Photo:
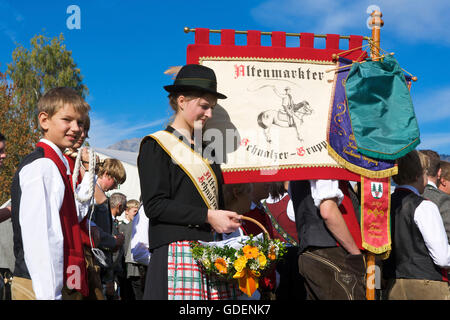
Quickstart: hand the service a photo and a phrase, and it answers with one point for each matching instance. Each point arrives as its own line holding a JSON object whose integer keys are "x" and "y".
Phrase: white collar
{"x": 431, "y": 183}
{"x": 270, "y": 199}
{"x": 58, "y": 152}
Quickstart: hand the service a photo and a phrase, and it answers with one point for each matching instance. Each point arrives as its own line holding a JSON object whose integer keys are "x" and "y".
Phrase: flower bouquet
{"x": 244, "y": 259}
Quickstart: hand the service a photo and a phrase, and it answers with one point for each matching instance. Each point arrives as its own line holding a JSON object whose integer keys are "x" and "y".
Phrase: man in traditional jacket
{"x": 440, "y": 198}
{"x": 417, "y": 266}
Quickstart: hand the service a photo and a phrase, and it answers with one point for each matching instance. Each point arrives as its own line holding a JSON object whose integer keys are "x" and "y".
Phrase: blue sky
{"x": 123, "y": 48}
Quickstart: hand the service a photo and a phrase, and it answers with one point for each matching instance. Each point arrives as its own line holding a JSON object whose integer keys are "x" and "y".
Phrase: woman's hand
{"x": 223, "y": 221}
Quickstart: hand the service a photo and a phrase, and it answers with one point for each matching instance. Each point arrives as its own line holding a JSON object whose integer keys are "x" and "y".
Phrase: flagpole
{"x": 376, "y": 24}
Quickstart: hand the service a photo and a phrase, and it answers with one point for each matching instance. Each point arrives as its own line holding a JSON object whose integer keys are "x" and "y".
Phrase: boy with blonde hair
{"x": 132, "y": 209}
{"x": 49, "y": 255}
{"x": 421, "y": 252}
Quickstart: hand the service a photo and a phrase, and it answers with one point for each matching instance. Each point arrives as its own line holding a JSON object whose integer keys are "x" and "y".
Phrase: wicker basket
{"x": 258, "y": 224}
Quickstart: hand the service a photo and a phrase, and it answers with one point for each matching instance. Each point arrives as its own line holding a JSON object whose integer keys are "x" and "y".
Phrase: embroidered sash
{"x": 278, "y": 227}
{"x": 193, "y": 164}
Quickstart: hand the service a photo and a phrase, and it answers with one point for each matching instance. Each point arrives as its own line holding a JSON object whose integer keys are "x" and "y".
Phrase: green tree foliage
{"x": 21, "y": 135}
{"x": 46, "y": 65}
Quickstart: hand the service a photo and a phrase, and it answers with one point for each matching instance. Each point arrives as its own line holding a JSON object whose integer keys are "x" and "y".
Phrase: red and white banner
{"x": 273, "y": 126}
{"x": 375, "y": 214}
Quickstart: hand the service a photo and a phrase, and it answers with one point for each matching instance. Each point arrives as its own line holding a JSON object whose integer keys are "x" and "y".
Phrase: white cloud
{"x": 433, "y": 105}
{"x": 10, "y": 19}
{"x": 423, "y": 21}
{"x": 104, "y": 133}
{"x": 437, "y": 141}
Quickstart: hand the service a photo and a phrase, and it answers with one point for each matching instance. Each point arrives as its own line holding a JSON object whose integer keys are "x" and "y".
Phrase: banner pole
{"x": 376, "y": 23}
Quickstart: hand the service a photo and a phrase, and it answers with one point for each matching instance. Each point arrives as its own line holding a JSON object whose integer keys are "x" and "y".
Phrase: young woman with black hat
{"x": 182, "y": 193}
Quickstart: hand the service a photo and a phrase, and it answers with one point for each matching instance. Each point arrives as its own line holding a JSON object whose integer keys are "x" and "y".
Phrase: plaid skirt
{"x": 186, "y": 280}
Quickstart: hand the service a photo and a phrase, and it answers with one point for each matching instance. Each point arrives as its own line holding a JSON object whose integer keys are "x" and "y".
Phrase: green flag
{"x": 381, "y": 110}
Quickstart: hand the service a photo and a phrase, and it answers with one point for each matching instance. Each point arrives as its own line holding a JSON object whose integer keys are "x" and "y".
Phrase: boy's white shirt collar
{"x": 58, "y": 152}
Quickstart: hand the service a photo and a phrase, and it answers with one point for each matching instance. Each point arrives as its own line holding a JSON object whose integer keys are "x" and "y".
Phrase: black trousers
{"x": 291, "y": 285}
{"x": 333, "y": 274}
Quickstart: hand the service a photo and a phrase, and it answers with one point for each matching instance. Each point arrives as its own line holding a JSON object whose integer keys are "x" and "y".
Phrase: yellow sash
{"x": 194, "y": 165}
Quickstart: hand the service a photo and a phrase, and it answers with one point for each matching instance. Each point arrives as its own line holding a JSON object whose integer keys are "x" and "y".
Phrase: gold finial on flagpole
{"x": 376, "y": 23}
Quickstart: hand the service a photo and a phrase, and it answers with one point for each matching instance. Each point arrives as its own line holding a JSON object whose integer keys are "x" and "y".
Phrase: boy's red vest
{"x": 74, "y": 262}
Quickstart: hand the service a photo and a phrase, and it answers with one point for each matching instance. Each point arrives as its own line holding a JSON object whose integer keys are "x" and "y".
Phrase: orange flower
{"x": 221, "y": 265}
{"x": 272, "y": 254}
{"x": 250, "y": 252}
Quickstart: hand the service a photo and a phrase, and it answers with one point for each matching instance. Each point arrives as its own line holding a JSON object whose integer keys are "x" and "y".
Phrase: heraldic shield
{"x": 381, "y": 110}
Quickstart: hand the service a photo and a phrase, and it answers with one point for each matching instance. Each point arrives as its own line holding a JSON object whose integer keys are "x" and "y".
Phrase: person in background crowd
{"x": 440, "y": 198}
{"x": 139, "y": 248}
{"x": 139, "y": 238}
{"x": 444, "y": 180}
{"x": 420, "y": 255}
{"x": 110, "y": 174}
{"x": 117, "y": 205}
{"x": 5, "y": 213}
{"x": 111, "y": 240}
{"x": 267, "y": 284}
{"x": 82, "y": 189}
{"x": 279, "y": 208}
{"x": 130, "y": 280}
{"x": 238, "y": 198}
{"x": 330, "y": 244}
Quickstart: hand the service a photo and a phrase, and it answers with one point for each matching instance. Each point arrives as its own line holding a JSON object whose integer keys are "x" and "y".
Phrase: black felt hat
{"x": 195, "y": 77}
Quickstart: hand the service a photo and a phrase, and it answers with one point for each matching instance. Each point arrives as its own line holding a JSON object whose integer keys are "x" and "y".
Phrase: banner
{"x": 341, "y": 140}
{"x": 273, "y": 126}
{"x": 381, "y": 109}
{"x": 279, "y": 109}
{"x": 375, "y": 214}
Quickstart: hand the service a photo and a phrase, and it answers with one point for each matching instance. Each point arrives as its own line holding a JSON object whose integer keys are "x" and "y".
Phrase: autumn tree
{"x": 21, "y": 134}
{"x": 47, "y": 64}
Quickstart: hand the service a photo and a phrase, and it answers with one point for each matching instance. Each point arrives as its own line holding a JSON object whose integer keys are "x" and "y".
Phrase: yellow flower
{"x": 240, "y": 263}
{"x": 250, "y": 252}
{"x": 221, "y": 265}
{"x": 272, "y": 253}
{"x": 262, "y": 260}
